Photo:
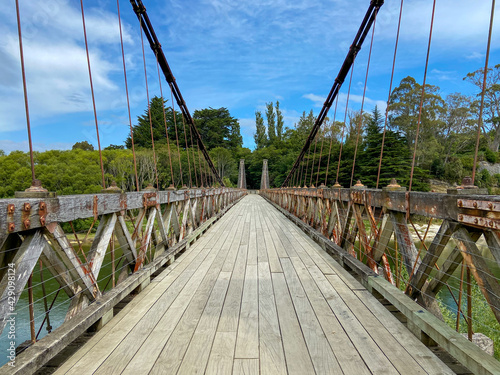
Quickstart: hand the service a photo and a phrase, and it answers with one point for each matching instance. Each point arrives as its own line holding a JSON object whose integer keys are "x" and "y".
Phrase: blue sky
{"x": 223, "y": 53}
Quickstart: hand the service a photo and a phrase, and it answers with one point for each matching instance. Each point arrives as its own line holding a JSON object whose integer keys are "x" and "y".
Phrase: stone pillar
{"x": 264, "y": 180}
{"x": 242, "y": 179}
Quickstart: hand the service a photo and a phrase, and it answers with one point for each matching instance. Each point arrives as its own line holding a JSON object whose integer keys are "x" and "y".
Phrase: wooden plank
{"x": 247, "y": 341}
{"x": 196, "y": 357}
{"x": 348, "y": 357}
{"x": 222, "y": 354}
{"x": 367, "y": 348}
{"x": 431, "y": 257}
{"x": 423, "y": 355}
{"x": 121, "y": 344}
{"x": 280, "y": 249}
{"x": 486, "y": 281}
{"x": 14, "y": 281}
{"x": 173, "y": 351}
{"x": 385, "y": 235}
{"x": 467, "y": 353}
{"x": 125, "y": 240}
{"x": 100, "y": 243}
{"x": 261, "y": 243}
{"x": 146, "y": 356}
{"x": 246, "y": 367}
{"x": 321, "y": 353}
{"x": 78, "y": 271}
{"x": 298, "y": 360}
{"x": 393, "y": 350}
{"x": 143, "y": 302}
{"x": 274, "y": 262}
{"x": 58, "y": 271}
{"x": 231, "y": 311}
{"x": 272, "y": 359}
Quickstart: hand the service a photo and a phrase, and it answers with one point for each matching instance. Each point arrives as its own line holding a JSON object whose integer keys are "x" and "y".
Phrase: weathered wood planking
{"x": 423, "y": 323}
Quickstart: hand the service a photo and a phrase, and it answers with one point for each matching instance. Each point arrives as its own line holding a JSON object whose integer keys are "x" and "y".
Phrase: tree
{"x": 142, "y": 130}
{"x": 218, "y": 128}
{"x": 404, "y": 107}
{"x": 223, "y": 160}
{"x": 279, "y": 122}
{"x": 84, "y": 145}
{"x": 2, "y": 153}
{"x": 459, "y": 128}
{"x": 260, "y": 132}
{"x": 271, "y": 122}
{"x": 115, "y": 147}
{"x": 491, "y": 102}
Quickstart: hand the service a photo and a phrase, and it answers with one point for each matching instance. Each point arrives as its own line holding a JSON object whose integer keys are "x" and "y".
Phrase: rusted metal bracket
{"x": 42, "y": 212}
{"x": 479, "y": 213}
{"x": 94, "y": 207}
{"x": 25, "y": 217}
{"x": 149, "y": 200}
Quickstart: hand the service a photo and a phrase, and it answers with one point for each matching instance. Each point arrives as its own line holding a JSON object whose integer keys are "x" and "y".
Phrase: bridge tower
{"x": 264, "y": 180}
{"x": 242, "y": 179}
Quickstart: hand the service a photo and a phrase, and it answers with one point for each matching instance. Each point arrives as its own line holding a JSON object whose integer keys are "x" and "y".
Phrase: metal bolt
{"x": 460, "y": 203}
{"x": 42, "y": 205}
{"x": 27, "y": 207}
{"x": 27, "y": 223}
{"x": 490, "y": 206}
{"x": 12, "y": 226}
{"x": 475, "y": 204}
{"x": 491, "y": 224}
{"x": 476, "y": 221}
{"x": 460, "y": 217}
{"x": 10, "y": 209}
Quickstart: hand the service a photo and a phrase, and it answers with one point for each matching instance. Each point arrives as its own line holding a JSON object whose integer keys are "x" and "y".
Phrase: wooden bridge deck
{"x": 254, "y": 295}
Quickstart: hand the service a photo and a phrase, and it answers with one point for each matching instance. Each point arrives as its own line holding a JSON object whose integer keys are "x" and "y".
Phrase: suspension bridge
{"x": 203, "y": 278}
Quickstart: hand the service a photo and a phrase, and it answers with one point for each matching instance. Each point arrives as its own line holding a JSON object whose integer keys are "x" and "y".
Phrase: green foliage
{"x": 491, "y": 156}
{"x": 84, "y": 145}
{"x": 271, "y": 122}
{"x": 218, "y": 128}
{"x": 260, "y": 136}
{"x": 279, "y": 122}
{"x": 483, "y": 319}
{"x": 115, "y": 147}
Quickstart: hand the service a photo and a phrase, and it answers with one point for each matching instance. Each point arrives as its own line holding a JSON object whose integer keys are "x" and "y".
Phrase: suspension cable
{"x": 331, "y": 141}
{"x": 422, "y": 96}
{"x": 480, "y": 120}
{"x": 314, "y": 157}
{"x": 23, "y": 71}
{"x": 166, "y": 128}
{"x": 389, "y": 97}
{"x": 346, "y": 66}
{"x": 177, "y": 138}
{"x": 360, "y": 122}
{"x": 128, "y": 99}
{"x": 187, "y": 152}
{"x": 93, "y": 96}
{"x": 149, "y": 106}
{"x": 345, "y": 125}
{"x": 320, "y": 155}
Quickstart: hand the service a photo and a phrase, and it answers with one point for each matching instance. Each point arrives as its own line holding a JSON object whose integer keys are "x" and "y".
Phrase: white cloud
{"x": 55, "y": 60}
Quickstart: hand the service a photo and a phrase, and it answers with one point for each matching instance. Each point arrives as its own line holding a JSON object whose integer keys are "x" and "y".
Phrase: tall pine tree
{"x": 260, "y": 133}
{"x": 279, "y": 122}
{"x": 271, "y": 122}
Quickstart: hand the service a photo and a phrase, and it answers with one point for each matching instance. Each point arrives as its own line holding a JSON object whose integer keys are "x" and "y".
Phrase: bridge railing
{"x": 420, "y": 242}
{"x": 134, "y": 230}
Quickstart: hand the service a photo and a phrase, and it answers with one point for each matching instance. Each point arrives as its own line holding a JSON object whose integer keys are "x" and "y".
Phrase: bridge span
{"x": 254, "y": 295}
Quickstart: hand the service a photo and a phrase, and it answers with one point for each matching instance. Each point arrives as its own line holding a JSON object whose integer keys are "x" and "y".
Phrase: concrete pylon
{"x": 264, "y": 180}
{"x": 242, "y": 179}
